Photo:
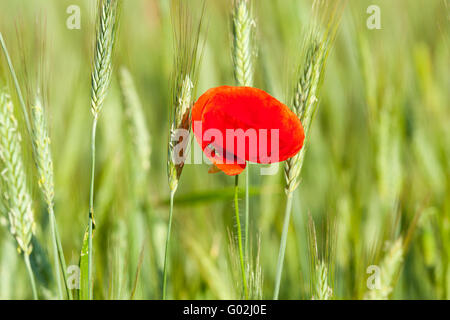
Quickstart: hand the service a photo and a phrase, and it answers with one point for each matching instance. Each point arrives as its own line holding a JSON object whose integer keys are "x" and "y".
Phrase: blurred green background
{"x": 379, "y": 155}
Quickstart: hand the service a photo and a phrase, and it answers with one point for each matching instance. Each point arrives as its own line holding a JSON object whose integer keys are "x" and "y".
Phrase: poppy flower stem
{"x": 238, "y": 223}
{"x": 287, "y": 216}
{"x": 166, "y": 254}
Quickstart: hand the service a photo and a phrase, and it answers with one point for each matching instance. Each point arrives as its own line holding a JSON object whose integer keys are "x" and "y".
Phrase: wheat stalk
{"x": 100, "y": 80}
{"x": 186, "y": 36}
{"x": 304, "y": 102}
{"x": 304, "y": 105}
{"x": 44, "y": 164}
{"x": 17, "y": 196}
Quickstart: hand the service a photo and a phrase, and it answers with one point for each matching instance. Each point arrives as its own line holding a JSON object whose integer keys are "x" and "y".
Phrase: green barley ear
{"x": 136, "y": 119}
{"x": 184, "y": 79}
{"x": 243, "y": 38}
{"x": 102, "y": 68}
{"x": 306, "y": 89}
{"x": 16, "y": 193}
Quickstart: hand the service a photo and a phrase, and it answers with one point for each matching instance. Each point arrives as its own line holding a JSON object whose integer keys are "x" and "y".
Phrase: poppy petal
{"x": 257, "y": 117}
{"x": 231, "y": 169}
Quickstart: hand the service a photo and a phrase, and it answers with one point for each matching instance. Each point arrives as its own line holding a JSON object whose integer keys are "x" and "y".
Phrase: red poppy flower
{"x": 238, "y": 124}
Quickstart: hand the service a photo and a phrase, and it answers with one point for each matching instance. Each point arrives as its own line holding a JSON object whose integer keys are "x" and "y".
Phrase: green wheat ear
{"x": 306, "y": 88}
{"x": 104, "y": 45}
{"x": 321, "y": 289}
{"x": 304, "y": 101}
{"x": 43, "y": 156}
{"x": 243, "y": 54}
{"x": 16, "y": 195}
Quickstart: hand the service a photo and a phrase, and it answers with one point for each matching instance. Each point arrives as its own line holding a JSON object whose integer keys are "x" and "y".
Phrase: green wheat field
{"x": 367, "y": 198}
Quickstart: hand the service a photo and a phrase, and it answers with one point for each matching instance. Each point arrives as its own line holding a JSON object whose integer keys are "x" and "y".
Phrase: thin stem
{"x": 238, "y": 223}
{"x": 91, "y": 207}
{"x": 30, "y": 273}
{"x": 60, "y": 253}
{"x": 55, "y": 253}
{"x": 287, "y": 215}
{"x": 166, "y": 254}
{"x": 247, "y": 175}
{"x": 16, "y": 84}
